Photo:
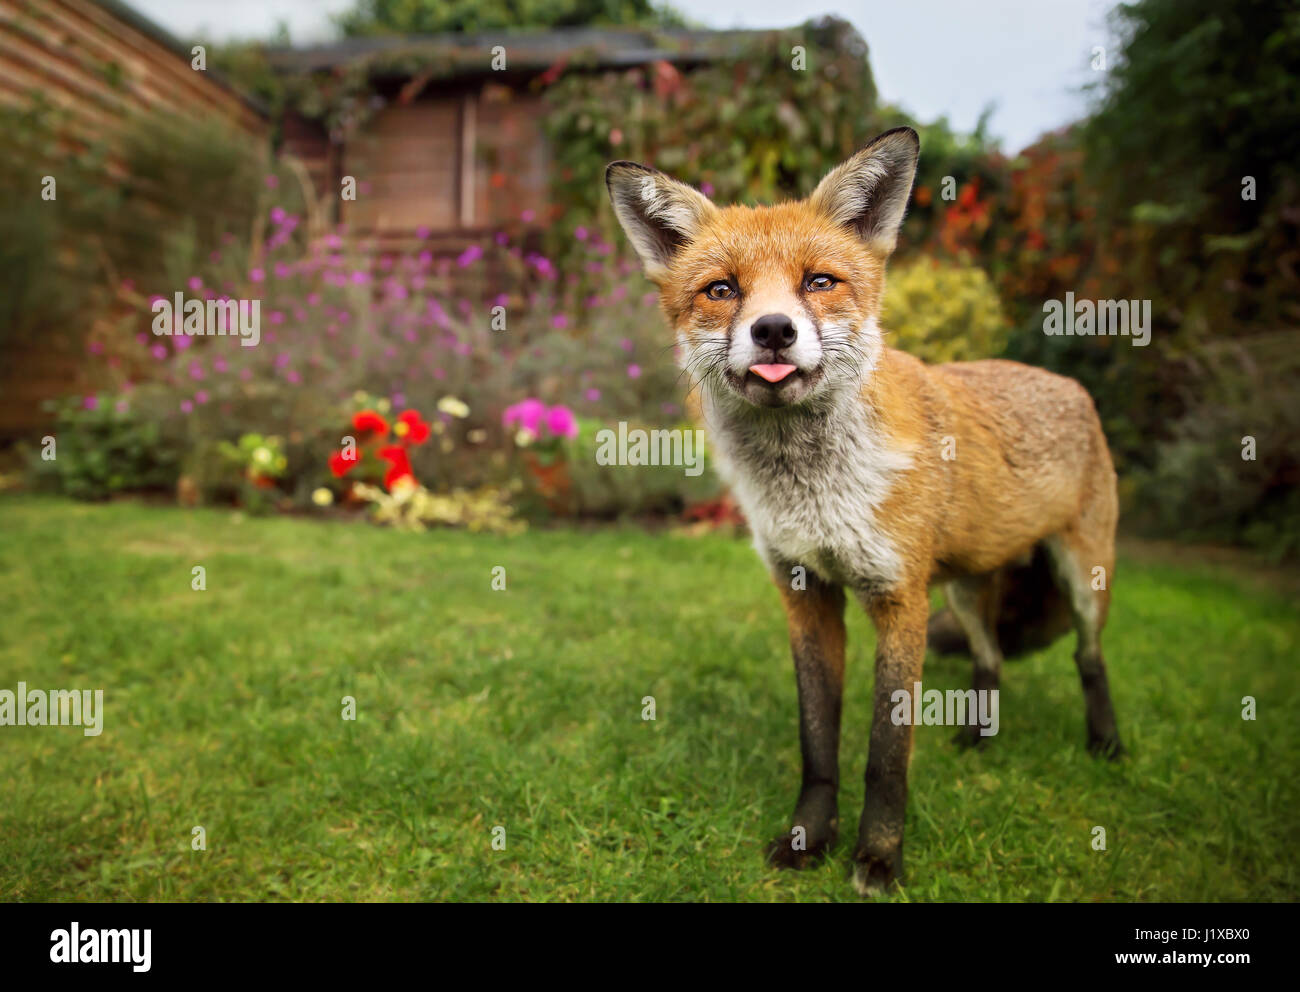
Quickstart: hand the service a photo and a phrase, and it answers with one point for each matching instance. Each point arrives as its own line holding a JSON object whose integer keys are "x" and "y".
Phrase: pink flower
{"x": 593, "y": 395}
{"x": 187, "y": 406}
{"x": 469, "y": 256}
{"x": 561, "y": 422}
{"x": 158, "y": 351}
{"x": 527, "y": 414}
{"x": 580, "y": 233}
{"x": 256, "y": 275}
{"x": 278, "y": 215}
{"x": 272, "y": 181}
{"x": 201, "y": 396}
{"x": 559, "y": 322}
{"x": 195, "y": 283}
{"x": 634, "y": 371}
{"x": 90, "y": 403}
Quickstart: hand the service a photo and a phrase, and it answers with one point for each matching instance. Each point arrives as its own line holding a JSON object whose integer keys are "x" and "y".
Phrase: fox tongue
{"x": 772, "y": 373}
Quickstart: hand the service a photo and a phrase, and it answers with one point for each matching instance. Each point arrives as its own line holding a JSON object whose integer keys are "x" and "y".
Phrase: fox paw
{"x": 790, "y": 850}
{"x": 873, "y": 876}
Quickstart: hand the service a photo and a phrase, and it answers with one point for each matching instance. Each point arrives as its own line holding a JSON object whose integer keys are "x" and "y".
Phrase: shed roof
{"x": 151, "y": 29}
{"x": 469, "y": 54}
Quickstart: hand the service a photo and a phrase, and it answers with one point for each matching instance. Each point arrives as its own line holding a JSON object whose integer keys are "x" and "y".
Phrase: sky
{"x": 953, "y": 58}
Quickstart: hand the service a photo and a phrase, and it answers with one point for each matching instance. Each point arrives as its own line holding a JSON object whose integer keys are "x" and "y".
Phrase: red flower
{"x": 417, "y": 430}
{"x": 399, "y": 465}
{"x": 342, "y": 462}
{"x": 367, "y": 421}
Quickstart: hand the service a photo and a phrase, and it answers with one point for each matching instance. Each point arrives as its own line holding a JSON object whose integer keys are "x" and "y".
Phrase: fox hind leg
{"x": 1082, "y": 570}
{"x": 974, "y": 600}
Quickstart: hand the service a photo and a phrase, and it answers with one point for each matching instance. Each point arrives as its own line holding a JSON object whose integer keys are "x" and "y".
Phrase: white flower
{"x": 453, "y": 407}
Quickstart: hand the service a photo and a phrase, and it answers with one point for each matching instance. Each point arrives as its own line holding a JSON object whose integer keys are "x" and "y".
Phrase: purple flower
{"x": 580, "y": 233}
{"x": 195, "y": 283}
{"x": 559, "y": 322}
{"x": 90, "y": 403}
{"x": 527, "y": 414}
{"x": 593, "y": 395}
{"x": 470, "y": 255}
{"x": 561, "y": 422}
{"x": 256, "y": 275}
{"x": 634, "y": 371}
{"x": 278, "y": 215}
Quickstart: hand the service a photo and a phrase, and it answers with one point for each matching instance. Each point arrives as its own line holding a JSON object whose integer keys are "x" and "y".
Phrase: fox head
{"x": 773, "y": 306}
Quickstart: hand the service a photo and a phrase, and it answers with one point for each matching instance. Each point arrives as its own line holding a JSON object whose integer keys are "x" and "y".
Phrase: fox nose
{"x": 775, "y": 331}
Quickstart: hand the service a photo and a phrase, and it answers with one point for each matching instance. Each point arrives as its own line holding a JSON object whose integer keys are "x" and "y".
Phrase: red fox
{"x": 859, "y": 467}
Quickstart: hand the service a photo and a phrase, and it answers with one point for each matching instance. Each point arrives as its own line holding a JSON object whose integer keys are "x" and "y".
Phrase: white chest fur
{"x": 811, "y": 485}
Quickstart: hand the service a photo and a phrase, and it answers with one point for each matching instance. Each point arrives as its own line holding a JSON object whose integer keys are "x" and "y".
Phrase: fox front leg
{"x": 900, "y": 619}
{"x": 815, "y": 612}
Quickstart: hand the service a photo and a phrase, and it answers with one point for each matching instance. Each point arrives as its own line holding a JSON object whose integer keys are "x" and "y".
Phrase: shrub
{"x": 108, "y": 444}
{"x": 943, "y": 312}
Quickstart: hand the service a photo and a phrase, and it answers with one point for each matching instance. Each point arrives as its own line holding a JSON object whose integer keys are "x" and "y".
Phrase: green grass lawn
{"x": 478, "y": 708}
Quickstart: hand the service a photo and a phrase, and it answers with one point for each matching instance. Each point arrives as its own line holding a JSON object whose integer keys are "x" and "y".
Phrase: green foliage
{"x": 106, "y": 445}
{"x": 371, "y": 17}
{"x": 943, "y": 312}
{"x": 254, "y": 463}
{"x": 1203, "y": 97}
{"x": 1228, "y": 469}
{"x": 746, "y": 128}
{"x": 48, "y": 262}
{"x": 612, "y": 491}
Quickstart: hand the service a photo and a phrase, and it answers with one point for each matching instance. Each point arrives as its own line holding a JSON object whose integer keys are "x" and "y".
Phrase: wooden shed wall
{"x": 460, "y": 162}
{"x": 97, "y": 68}
{"x": 84, "y": 59}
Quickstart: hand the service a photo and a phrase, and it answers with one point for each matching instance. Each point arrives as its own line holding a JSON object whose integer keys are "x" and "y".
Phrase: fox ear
{"x": 659, "y": 214}
{"x": 869, "y": 192}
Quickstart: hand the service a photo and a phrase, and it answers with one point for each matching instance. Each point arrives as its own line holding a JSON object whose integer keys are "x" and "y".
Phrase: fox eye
{"x": 720, "y": 290}
{"x": 820, "y": 282}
